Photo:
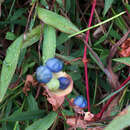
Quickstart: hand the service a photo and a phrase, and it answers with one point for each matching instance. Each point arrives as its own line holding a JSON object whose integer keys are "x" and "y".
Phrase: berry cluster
{"x": 45, "y": 74}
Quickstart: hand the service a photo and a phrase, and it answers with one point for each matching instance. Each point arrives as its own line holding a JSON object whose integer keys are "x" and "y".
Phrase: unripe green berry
{"x": 53, "y": 84}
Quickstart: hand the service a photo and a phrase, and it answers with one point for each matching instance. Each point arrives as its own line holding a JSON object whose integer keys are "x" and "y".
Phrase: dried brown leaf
{"x": 28, "y": 82}
{"x": 125, "y": 52}
{"x": 54, "y": 100}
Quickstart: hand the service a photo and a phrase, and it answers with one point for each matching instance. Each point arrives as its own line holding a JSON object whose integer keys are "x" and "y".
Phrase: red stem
{"x": 99, "y": 115}
{"x": 85, "y": 53}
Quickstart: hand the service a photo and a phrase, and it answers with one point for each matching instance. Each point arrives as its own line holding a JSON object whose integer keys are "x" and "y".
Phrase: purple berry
{"x": 43, "y": 74}
{"x": 64, "y": 82}
{"x": 80, "y": 101}
{"x": 54, "y": 64}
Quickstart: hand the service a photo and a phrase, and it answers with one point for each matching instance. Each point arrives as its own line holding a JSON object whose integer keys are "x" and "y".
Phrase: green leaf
{"x": 10, "y": 36}
{"x": 118, "y": 67}
{"x": 101, "y": 39}
{"x": 1, "y": 62}
{"x": 21, "y": 116}
{"x": 108, "y": 4}
{"x": 18, "y": 14}
{"x": 127, "y": 6}
{"x": 12, "y": 56}
{"x": 124, "y": 60}
{"x": 57, "y": 21}
{"x": 49, "y": 43}
{"x": 101, "y": 67}
{"x": 26, "y": 66}
{"x": 120, "y": 122}
{"x": 68, "y": 5}
{"x": 63, "y": 37}
{"x": 115, "y": 34}
{"x": 32, "y": 104}
{"x": 120, "y": 22}
{"x": 75, "y": 75}
{"x": 32, "y": 37}
{"x": 9, "y": 65}
{"x": 43, "y": 124}
{"x": 60, "y": 2}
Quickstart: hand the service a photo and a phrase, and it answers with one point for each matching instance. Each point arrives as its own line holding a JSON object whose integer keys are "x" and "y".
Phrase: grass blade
{"x": 108, "y": 4}
{"x": 112, "y": 94}
{"x": 94, "y": 26}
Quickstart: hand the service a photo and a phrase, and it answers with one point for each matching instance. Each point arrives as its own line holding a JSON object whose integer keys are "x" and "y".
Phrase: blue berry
{"x": 64, "y": 82}
{"x": 54, "y": 64}
{"x": 80, "y": 101}
{"x": 43, "y": 74}
{"x": 84, "y": 104}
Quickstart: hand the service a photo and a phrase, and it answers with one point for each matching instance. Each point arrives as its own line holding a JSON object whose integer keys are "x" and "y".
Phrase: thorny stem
{"x": 99, "y": 115}
{"x": 85, "y": 53}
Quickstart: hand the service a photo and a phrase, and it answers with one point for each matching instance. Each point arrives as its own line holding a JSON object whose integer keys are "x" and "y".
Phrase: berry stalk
{"x": 85, "y": 53}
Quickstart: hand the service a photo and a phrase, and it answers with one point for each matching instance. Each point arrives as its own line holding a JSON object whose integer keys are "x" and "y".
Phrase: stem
{"x": 94, "y": 26}
{"x": 85, "y": 53}
{"x": 99, "y": 115}
{"x": 100, "y": 64}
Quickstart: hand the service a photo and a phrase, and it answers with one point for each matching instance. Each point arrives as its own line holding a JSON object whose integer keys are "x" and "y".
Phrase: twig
{"x": 115, "y": 46}
{"x": 105, "y": 70}
{"x": 77, "y": 3}
{"x": 30, "y": 13}
{"x": 40, "y": 41}
{"x": 99, "y": 21}
{"x": 114, "y": 79}
{"x": 38, "y": 92}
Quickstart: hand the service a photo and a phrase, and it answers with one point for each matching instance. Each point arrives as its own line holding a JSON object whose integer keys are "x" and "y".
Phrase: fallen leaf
{"x": 29, "y": 81}
{"x": 54, "y": 100}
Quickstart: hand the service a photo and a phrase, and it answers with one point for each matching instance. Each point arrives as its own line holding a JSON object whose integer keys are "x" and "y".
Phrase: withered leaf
{"x": 54, "y": 100}
{"x": 125, "y": 51}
